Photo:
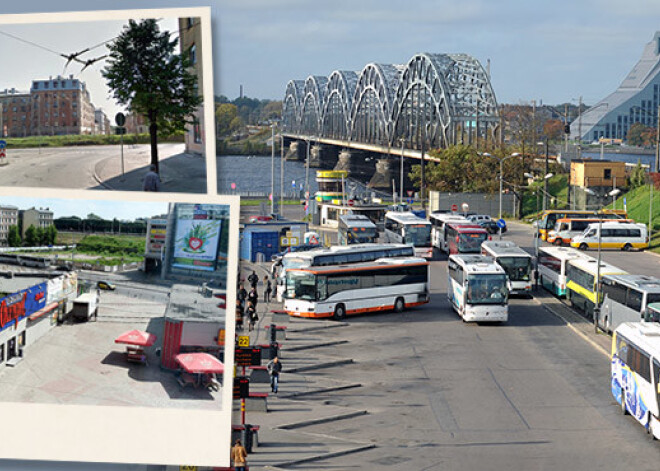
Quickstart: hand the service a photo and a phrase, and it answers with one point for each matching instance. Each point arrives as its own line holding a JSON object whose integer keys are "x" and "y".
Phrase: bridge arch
{"x": 312, "y": 105}
{"x": 291, "y": 108}
{"x": 338, "y": 102}
{"x": 423, "y": 99}
{"x": 372, "y": 103}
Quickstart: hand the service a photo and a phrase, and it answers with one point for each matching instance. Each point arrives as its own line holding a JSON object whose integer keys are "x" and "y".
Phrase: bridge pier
{"x": 296, "y": 151}
{"x": 323, "y": 156}
{"x": 359, "y": 164}
{"x": 385, "y": 171}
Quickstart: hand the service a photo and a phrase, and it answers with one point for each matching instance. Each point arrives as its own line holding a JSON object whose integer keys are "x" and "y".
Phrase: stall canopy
{"x": 137, "y": 337}
{"x": 200, "y": 363}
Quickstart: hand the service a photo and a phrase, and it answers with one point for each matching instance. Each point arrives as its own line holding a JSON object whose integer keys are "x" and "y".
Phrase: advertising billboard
{"x": 196, "y": 244}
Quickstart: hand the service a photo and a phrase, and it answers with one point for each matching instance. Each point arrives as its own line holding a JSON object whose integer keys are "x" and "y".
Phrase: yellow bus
{"x": 550, "y": 216}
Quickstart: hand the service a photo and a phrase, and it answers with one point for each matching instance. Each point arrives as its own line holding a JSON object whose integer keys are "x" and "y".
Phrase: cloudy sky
{"x": 544, "y": 51}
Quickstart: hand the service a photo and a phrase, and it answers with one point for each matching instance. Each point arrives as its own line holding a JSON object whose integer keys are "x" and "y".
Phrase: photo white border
{"x": 101, "y": 433}
{"x": 204, "y": 13}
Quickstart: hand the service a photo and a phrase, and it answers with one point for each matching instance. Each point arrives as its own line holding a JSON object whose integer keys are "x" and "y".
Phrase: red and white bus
{"x": 465, "y": 238}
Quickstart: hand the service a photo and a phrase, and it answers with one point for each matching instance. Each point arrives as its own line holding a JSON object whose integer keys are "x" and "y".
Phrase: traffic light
{"x": 567, "y": 128}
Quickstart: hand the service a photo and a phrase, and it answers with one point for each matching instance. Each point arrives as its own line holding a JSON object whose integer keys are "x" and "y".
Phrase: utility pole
{"x": 580, "y": 128}
{"x": 545, "y": 179}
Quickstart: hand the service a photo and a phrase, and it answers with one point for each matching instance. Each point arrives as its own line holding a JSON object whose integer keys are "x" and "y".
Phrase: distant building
{"x": 101, "y": 122}
{"x": 136, "y": 124}
{"x": 16, "y": 111}
{"x": 599, "y": 176}
{"x": 190, "y": 40}
{"x": 8, "y": 218}
{"x": 41, "y": 218}
{"x": 635, "y": 101}
{"x": 61, "y": 106}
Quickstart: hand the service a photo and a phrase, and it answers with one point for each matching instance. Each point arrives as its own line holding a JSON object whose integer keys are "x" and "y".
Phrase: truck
{"x": 85, "y": 306}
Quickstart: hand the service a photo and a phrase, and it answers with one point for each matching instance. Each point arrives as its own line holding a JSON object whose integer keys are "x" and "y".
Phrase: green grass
{"x": 637, "y": 204}
{"x": 257, "y": 202}
{"x": 83, "y": 140}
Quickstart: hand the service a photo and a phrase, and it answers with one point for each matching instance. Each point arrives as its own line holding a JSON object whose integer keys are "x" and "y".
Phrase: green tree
{"x": 147, "y": 76}
{"x": 31, "y": 237}
{"x": 226, "y": 119}
{"x": 14, "y": 237}
{"x": 637, "y": 176}
{"x": 51, "y": 235}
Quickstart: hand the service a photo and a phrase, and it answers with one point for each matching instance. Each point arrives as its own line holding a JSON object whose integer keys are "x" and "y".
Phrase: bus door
{"x": 656, "y": 380}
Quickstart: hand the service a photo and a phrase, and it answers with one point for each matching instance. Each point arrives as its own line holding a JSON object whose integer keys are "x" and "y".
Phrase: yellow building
{"x": 597, "y": 173}
{"x": 190, "y": 40}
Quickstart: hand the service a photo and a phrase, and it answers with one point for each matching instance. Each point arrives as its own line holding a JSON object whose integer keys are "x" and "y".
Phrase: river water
{"x": 251, "y": 175}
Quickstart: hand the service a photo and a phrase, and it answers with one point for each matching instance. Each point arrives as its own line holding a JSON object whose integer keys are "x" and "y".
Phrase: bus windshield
{"x": 652, "y": 298}
{"x": 294, "y": 262}
{"x": 361, "y": 235}
{"x": 517, "y": 268}
{"x": 419, "y": 235}
{"x": 471, "y": 242}
{"x": 486, "y": 289}
{"x": 652, "y": 315}
{"x": 301, "y": 285}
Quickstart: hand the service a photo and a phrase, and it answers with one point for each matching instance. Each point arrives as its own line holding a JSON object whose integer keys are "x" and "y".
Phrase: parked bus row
{"x": 550, "y": 217}
{"x": 453, "y": 233}
{"x": 624, "y": 297}
{"x": 25, "y": 260}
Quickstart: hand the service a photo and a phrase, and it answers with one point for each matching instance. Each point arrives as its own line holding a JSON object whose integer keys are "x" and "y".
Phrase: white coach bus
{"x": 477, "y": 288}
{"x": 516, "y": 263}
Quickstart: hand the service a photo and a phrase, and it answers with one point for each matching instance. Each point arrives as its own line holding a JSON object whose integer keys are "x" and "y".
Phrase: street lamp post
{"x": 272, "y": 169}
{"x": 403, "y": 141}
{"x": 612, "y": 193}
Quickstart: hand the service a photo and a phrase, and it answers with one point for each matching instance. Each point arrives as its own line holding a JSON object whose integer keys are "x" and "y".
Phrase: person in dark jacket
{"x": 253, "y": 279}
{"x": 253, "y": 297}
{"x": 268, "y": 290}
{"x": 242, "y": 295}
{"x": 252, "y": 316}
{"x": 274, "y": 368}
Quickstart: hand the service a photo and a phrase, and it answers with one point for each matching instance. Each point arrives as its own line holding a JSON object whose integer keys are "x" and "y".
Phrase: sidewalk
{"x": 282, "y": 440}
{"x": 180, "y": 172}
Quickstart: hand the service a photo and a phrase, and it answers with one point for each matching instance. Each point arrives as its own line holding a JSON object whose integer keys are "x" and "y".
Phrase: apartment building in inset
{"x": 16, "y": 112}
{"x": 190, "y": 41}
{"x": 41, "y": 218}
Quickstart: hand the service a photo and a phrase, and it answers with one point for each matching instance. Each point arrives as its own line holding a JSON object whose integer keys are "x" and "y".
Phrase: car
{"x": 255, "y": 219}
{"x": 491, "y": 226}
{"x": 479, "y": 217}
{"x": 106, "y": 285}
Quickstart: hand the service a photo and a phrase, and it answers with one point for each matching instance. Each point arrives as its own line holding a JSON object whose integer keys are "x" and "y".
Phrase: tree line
{"x": 94, "y": 223}
{"x": 34, "y": 236}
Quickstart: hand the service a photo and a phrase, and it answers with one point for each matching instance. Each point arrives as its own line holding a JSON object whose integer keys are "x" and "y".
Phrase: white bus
{"x": 406, "y": 228}
{"x": 516, "y": 263}
{"x": 336, "y": 291}
{"x": 652, "y": 313}
{"x": 338, "y": 255}
{"x": 636, "y": 372}
{"x": 582, "y": 283}
{"x": 552, "y": 263}
{"x": 625, "y": 299}
{"x": 438, "y": 222}
{"x": 477, "y": 288}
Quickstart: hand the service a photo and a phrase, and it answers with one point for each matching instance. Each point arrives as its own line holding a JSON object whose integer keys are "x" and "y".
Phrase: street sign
{"x": 3, "y": 153}
{"x": 241, "y": 387}
{"x": 250, "y": 356}
{"x": 120, "y": 119}
{"x": 3, "y": 144}
{"x": 351, "y": 202}
{"x": 120, "y": 131}
{"x": 454, "y": 207}
{"x": 465, "y": 207}
{"x": 501, "y": 223}
{"x": 410, "y": 192}
{"x": 243, "y": 340}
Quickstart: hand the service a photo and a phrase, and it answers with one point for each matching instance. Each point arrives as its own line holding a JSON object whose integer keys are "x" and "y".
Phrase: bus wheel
{"x": 627, "y": 247}
{"x": 583, "y": 246}
{"x": 624, "y": 411}
{"x": 340, "y": 312}
{"x": 558, "y": 242}
{"x": 399, "y": 305}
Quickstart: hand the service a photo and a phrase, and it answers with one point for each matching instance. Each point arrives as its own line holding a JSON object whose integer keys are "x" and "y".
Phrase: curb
{"x": 323, "y": 420}
{"x": 317, "y": 345}
{"x": 320, "y": 366}
{"x": 326, "y": 456}
{"x": 100, "y": 182}
{"x": 321, "y": 391}
{"x": 571, "y": 326}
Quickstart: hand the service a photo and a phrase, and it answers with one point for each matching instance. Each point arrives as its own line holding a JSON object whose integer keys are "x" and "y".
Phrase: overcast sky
{"x": 550, "y": 51}
{"x": 122, "y": 210}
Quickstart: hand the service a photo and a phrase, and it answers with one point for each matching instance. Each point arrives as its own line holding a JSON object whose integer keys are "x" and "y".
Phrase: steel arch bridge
{"x": 434, "y": 100}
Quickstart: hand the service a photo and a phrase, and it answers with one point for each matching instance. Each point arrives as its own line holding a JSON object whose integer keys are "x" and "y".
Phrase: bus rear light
{"x": 490, "y": 237}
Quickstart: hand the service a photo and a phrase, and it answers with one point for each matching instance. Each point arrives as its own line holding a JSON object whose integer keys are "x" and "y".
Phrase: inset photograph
{"x": 107, "y": 100}
{"x": 113, "y": 303}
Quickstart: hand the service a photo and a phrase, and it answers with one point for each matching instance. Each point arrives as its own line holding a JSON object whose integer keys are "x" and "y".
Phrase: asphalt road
{"x": 445, "y": 395}
{"x": 73, "y": 167}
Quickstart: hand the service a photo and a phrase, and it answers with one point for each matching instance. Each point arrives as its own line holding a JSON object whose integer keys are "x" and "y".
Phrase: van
{"x": 614, "y": 235}
{"x": 567, "y": 228}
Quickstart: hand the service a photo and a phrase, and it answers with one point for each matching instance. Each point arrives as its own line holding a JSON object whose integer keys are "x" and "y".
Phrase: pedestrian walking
{"x": 274, "y": 368}
{"x": 242, "y": 295}
{"x": 268, "y": 290}
{"x": 239, "y": 315}
{"x": 239, "y": 456}
{"x": 253, "y": 297}
{"x": 253, "y": 279}
{"x": 151, "y": 180}
{"x": 252, "y": 316}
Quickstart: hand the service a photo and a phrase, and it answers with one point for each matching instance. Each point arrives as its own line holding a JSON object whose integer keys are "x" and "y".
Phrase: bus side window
{"x": 321, "y": 288}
